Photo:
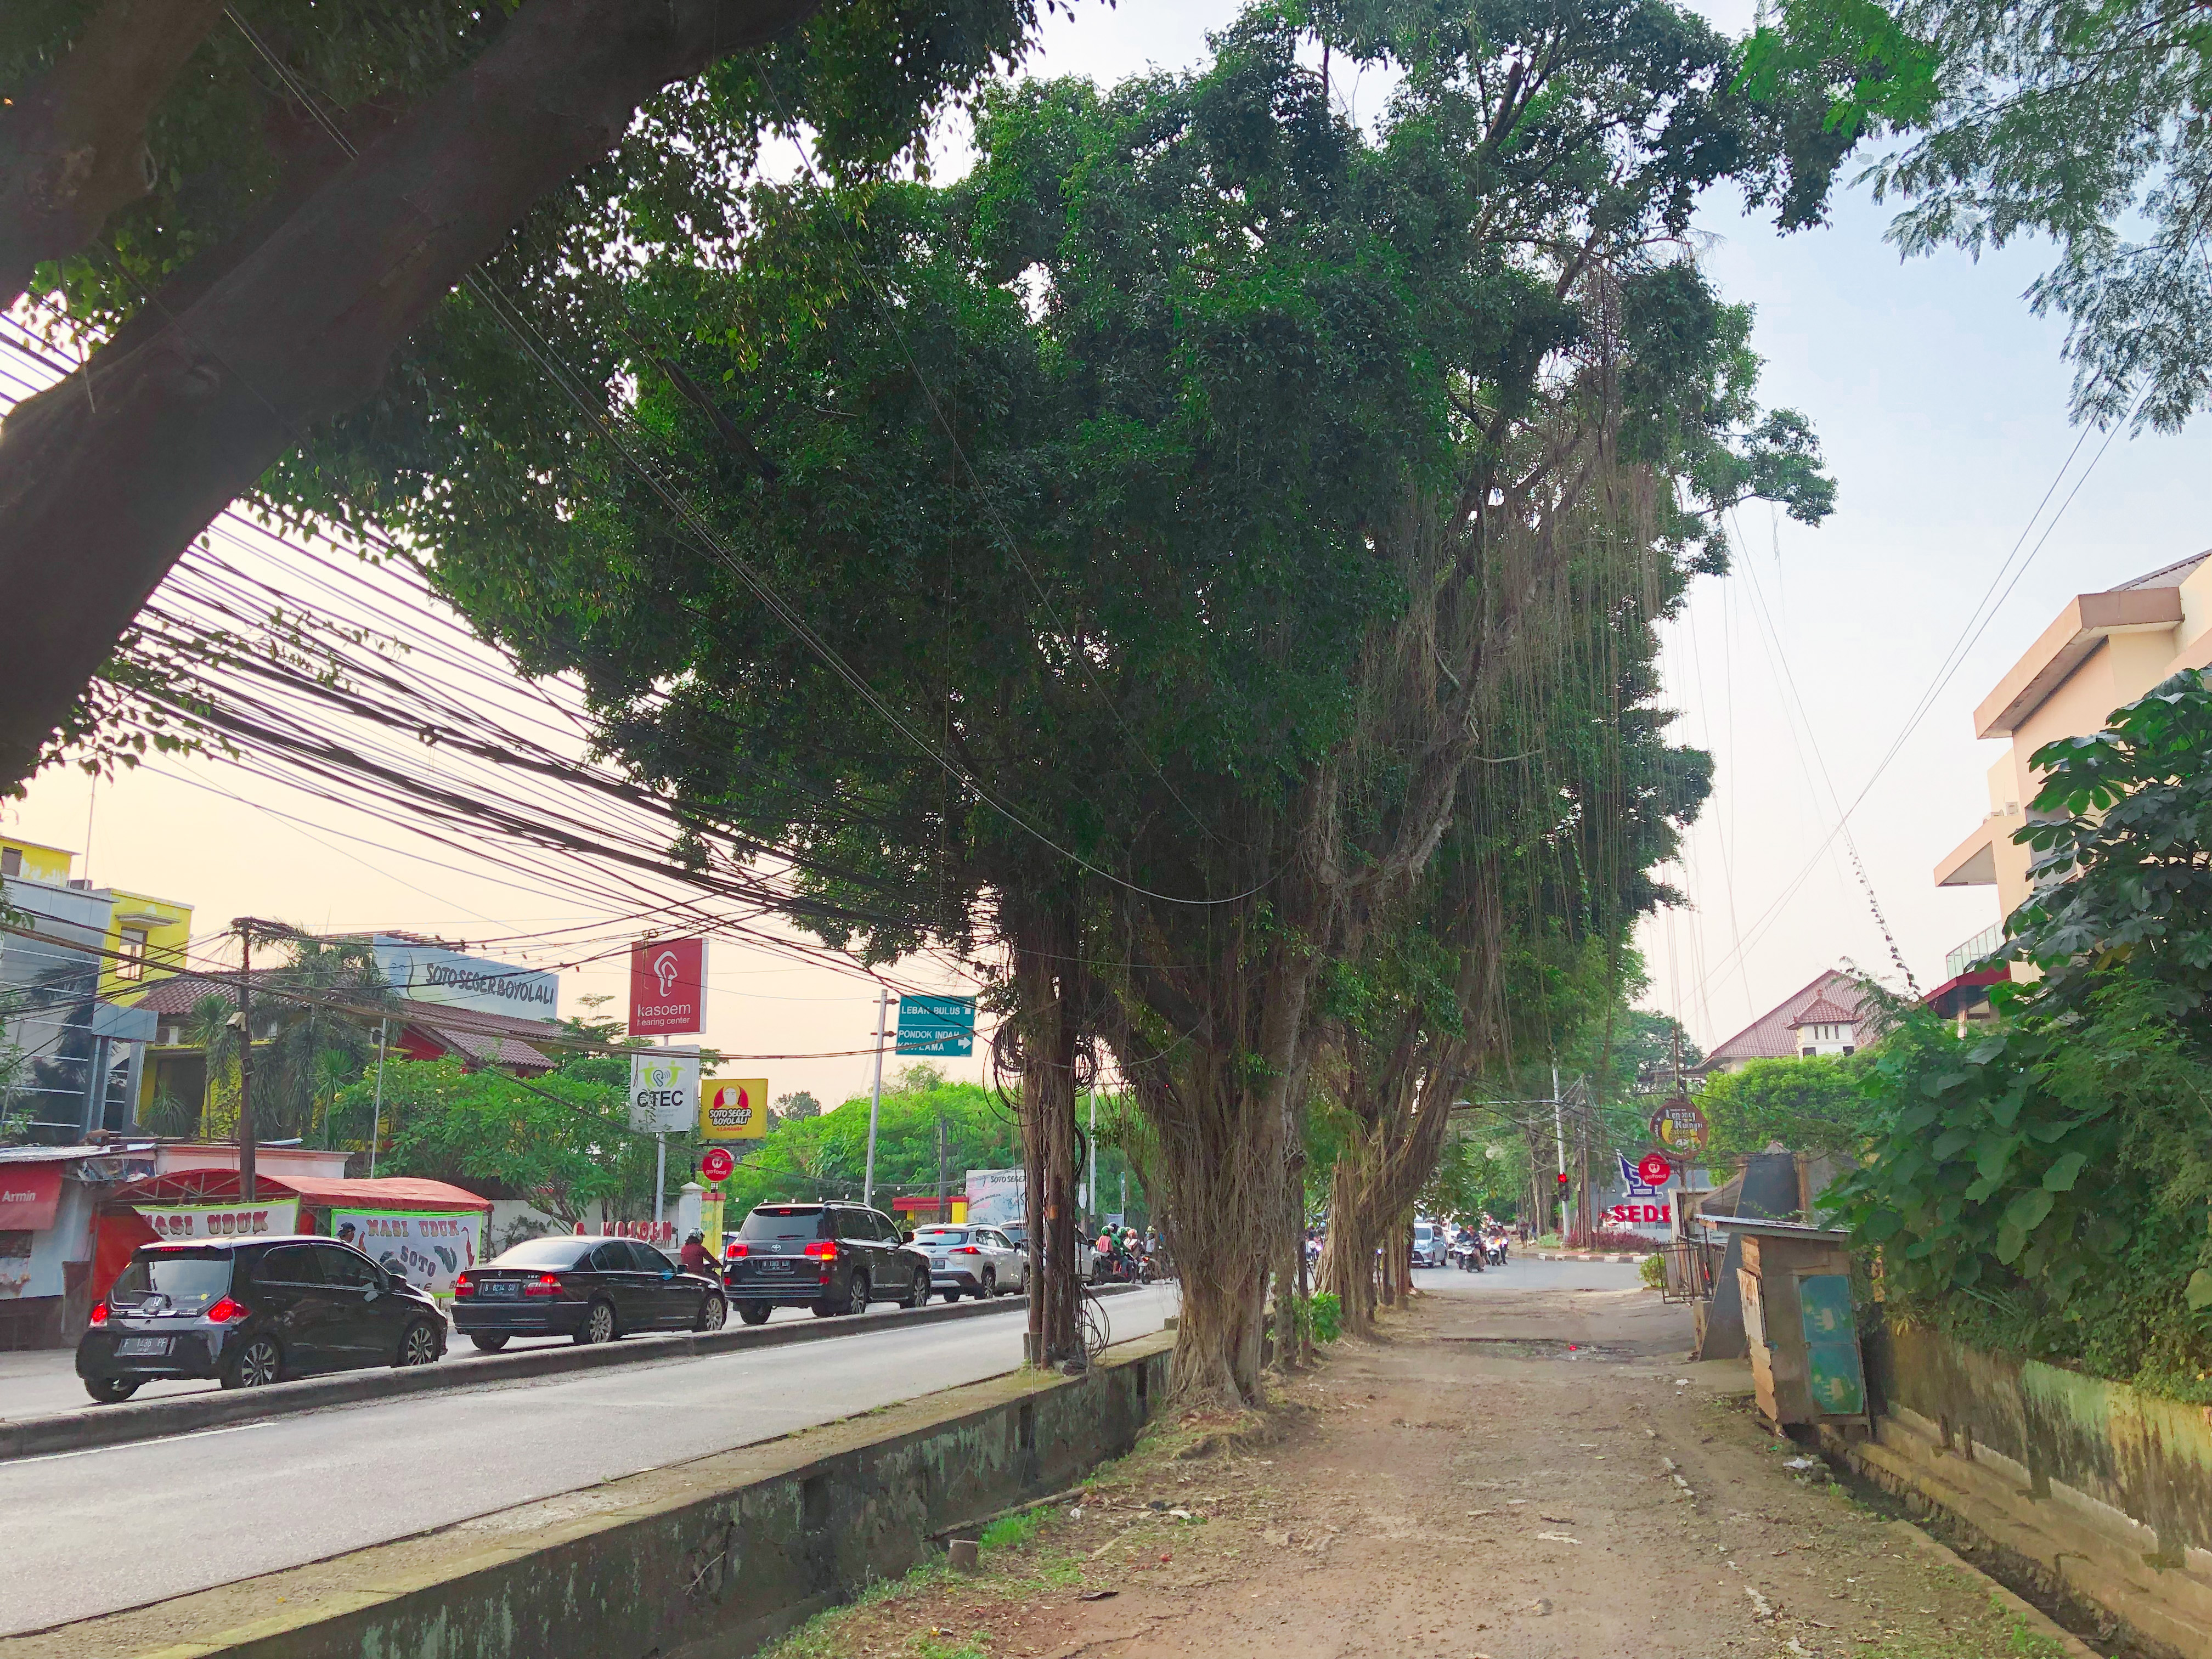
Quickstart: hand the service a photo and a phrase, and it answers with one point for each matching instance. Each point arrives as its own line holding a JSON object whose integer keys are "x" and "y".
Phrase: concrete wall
{"x": 713, "y": 1557}
{"x": 2103, "y": 1493}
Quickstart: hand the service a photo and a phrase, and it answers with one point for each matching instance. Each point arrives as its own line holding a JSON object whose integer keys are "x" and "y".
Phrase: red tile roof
{"x": 1822, "y": 1011}
{"x": 1769, "y": 1036}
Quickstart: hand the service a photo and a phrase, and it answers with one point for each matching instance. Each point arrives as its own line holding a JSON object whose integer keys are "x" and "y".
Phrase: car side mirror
{"x": 905, "y": 1238}
{"x": 668, "y": 1272}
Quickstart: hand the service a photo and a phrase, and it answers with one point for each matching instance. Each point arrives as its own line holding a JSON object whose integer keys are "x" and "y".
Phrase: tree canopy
{"x": 2076, "y": 120}
{"x": 1126, "y": 552}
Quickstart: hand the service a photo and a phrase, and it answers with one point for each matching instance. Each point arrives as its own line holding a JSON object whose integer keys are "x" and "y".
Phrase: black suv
{"x": 252, "y": 1312}
{"x": 835, "y": 1257}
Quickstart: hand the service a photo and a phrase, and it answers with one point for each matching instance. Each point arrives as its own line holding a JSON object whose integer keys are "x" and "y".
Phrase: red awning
{"x": 314, "y": 1192}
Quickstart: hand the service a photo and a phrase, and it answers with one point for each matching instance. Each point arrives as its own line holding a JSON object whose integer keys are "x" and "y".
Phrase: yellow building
{"x": 145, "y": 936}
{"x": 2101, "y": 652}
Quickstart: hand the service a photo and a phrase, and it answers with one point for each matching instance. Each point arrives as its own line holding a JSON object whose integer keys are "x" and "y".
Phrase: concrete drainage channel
{"x": 154, "y": 1419}
{"x": 712, "y": 1556}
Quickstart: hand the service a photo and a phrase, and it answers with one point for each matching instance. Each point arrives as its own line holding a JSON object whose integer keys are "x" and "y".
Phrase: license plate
{"x": 143, "y": 1347}
{"x": 773, "y": 1266}
{"x": 505, "y": 1289}
{"x": 937, "y": 1261}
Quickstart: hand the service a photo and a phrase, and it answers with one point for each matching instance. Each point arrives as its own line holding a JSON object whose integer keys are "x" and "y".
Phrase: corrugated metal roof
{"x": 1769, "y": 1036}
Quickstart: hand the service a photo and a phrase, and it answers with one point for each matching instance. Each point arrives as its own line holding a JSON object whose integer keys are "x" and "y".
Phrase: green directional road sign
{"x": 936, "y": 1025}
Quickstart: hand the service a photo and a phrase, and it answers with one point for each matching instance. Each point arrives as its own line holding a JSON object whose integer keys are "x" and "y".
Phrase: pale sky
{"x": 1940, "y": 403}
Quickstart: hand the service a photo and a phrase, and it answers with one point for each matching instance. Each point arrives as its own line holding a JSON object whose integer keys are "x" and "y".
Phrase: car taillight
{"x": 222, "y": 1310}
{"x": 966, "y": 1249}
{"x": 99, "y": 1314}
{"x": 824, "y": 1248}
{"x": 544, "y": 1284}
{"x": 464, "y": 1286}
{"x": 730, "y": 1251}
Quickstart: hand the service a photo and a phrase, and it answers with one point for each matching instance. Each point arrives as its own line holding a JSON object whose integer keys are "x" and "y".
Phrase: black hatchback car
{"x": 252, "y": 1312}
{"x": 587, "y": 1289}
{"x": 833, "y": 1258}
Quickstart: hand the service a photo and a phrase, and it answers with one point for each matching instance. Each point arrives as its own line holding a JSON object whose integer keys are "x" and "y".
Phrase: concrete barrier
{"x": 2098, "y": 1493}
{"x": 154, "y": 1419}
{"x": 713, "y": 1557}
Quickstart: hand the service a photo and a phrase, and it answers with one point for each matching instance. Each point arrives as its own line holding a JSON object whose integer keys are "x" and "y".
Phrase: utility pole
{"x": 1091, "y": 1158}
{"x": 376, "y": 1112}
{"x": 1559, "y": 1140}
{"x": 247, "y": 1190}
{"x": 876, "y": 1098}
{"x": 941, "y": 1151}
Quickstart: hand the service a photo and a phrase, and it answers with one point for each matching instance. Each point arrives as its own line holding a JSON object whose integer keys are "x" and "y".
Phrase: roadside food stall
{"x": 426, "y": 1232}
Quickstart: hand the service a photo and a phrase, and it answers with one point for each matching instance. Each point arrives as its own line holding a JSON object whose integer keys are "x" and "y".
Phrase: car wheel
{"x": 598, "y": 1325}
{"x": 419, "y": 1346}
{"x": 111, "y": 1390}
{"x": 753, "y": 1313}
{"x": 990, "y": 1291}
{"x": 713, "y": 1313}
{"x": 857, "y": 1293}
{"x": 255, "y": 1365}
{"x": 917, "y": 1291}
{"x": 820, "y": 1310}
{"x": 489, "y": 1342}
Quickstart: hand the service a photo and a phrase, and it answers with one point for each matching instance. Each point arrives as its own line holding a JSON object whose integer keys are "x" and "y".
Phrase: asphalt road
{"x": 1531, "y": 1275}
{"x": 40, "y": 1380}
{"x": 95, "y": 1531}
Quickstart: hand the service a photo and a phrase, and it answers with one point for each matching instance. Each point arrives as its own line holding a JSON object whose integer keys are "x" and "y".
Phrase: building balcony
{"x": 1961, "y": 958}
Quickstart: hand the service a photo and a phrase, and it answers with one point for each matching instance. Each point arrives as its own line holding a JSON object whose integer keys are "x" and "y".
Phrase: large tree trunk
{"x": 73, "y": 146}
{"x": 105, "y": 480}
{"x": 1050, "y": 1021}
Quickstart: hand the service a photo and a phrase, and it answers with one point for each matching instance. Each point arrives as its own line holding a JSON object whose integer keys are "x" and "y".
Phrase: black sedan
{"x": 589, "y": 1290}
{"x": 832, "y": 1258}
{"x": 252, "y": 1312}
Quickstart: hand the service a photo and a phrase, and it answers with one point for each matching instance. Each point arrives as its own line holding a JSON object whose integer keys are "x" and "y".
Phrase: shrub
{"x": 1325, "y": 1316}
{"x": 1653, "y": 1272}
{"x": 1608, "y": 1238}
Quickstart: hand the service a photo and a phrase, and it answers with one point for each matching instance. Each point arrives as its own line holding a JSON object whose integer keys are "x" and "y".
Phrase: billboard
{"x": 664, "y": 1091}
{"x": 425, "y": 1247}
{"x": 733, "y": 1108}
{"x": 184, "y": 1222}
{"x": 422, "y": 971}
{"x": 998, "y": 1198}
{"x": 667, "y": 986}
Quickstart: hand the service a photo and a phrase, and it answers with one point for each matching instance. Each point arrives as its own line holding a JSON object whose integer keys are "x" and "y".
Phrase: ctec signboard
{"x": 667, "y": 986}
{"x": 185, "y": 1223}
{"x": 664, "y": 1091}
{"x": 425, "y": 1247}
{"x": 733, "y": 1109}
{"x": 936, "y": 1025}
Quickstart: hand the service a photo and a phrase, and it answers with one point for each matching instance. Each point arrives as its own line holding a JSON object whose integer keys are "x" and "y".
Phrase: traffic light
{"x": 1562, "y": 1179}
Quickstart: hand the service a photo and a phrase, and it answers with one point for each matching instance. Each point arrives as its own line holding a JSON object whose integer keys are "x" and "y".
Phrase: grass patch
{"x": 1011, "y": 1531}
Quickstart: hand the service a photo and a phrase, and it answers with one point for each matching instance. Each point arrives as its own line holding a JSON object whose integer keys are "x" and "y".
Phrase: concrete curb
{"x": 1590, "y": 1256}
{"x": 156, "y": 1420}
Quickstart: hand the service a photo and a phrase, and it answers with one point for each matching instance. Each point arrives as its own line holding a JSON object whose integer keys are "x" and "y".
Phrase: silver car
{"x": 981, "y": 1262}
{"x": 1432, "y": 1244}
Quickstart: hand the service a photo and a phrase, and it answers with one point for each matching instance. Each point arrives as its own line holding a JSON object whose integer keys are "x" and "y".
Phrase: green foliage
{"x": 1652, "y": 1271}
{"x": 2083, "y": 121}
{"x": 1812, "y": 1104}
{"x": 562, "y": 1141}
{"x": 1011, "y": 1531}
{"x": 1324, "y": 1314}
{"x": 2049, "y": 1184}
{"x": 826, "y": 1156}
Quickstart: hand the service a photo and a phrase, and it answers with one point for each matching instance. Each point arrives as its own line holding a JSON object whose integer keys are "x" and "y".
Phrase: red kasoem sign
{"x": 28, "y": 1196}
{"x": 667, "y": 986}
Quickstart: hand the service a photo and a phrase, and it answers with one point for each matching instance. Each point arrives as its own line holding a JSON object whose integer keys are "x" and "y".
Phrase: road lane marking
{"x": 126, "y": 1445}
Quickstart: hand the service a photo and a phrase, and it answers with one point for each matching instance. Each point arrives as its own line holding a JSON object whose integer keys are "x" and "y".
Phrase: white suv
{"x": 1432, "y": 1244}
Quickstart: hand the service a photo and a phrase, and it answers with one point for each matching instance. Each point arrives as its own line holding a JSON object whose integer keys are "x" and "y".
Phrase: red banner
{"x": 28, "y": 1193}
{"x": 667, "y": 986}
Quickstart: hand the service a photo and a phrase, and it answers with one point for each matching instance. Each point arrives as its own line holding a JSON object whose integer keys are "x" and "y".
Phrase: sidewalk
{"x": 1516, "y": 1475}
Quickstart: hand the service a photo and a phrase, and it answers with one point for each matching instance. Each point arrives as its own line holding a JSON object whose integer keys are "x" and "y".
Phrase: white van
{"x": 1432, "y": 1241}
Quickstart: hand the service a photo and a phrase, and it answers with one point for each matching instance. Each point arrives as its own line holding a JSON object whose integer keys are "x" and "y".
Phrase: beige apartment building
{"x": 2102, "y": 651}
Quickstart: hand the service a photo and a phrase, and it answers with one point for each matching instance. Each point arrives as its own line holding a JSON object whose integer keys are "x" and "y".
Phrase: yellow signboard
{"x": 733, "y": 1109}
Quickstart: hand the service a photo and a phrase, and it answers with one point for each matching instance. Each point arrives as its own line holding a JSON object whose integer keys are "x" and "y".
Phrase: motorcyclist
{"x": 696, "y": 1258}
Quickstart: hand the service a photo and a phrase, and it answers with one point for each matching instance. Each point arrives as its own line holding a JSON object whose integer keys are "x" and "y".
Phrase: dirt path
{"x": 1473, "y": 1485}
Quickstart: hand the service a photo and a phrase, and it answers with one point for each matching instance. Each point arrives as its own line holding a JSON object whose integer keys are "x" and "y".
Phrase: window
{"x": 649, "y": 1259}
{"x": 130, "y": 954}
{"x": 1848, "y": 1049}
{"x": 347, "y": 1268}
{"x": 1809, "y": 1053}
{"x": 784, "y": 1221}
{"x": 11, "y": 860}
{"x": 610, "y": 1258}
{"x": 290, "y": 1264}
